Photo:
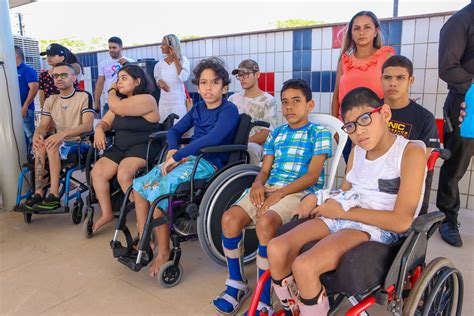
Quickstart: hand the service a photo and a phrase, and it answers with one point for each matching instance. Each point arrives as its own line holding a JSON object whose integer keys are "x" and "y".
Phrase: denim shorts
{"x": 376, "y": 234}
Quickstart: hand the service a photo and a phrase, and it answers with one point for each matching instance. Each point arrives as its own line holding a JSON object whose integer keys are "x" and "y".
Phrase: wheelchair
{"x": 229, "y": 186}
{"x": 184, "y": 211}
{"x": 116, "y": 194}
{"x": 399, "y": 277}
{"x": 74, "y": 162}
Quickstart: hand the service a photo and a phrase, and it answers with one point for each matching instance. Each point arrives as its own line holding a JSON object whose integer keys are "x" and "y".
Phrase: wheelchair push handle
{"x": 436, "y": 153}
{"x": 260, "y": 124}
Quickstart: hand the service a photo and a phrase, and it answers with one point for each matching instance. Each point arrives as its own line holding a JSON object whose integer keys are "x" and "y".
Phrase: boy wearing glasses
{"x": 385, "y": 173}
{"x": 72, "y": 114}
{"x": 258, "y": 104}
{"x": 292, "y": 167}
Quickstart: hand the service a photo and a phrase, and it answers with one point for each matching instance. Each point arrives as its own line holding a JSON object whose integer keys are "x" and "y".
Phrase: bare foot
{"x": 101, "y": 222}
{"x": 158, "y": 262}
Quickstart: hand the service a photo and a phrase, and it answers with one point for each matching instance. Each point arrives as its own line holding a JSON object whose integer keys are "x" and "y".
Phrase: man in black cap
{"x": 456, "y": 68}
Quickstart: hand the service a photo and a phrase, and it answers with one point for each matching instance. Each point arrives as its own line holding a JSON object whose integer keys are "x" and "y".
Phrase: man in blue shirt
{"x": 28, "y": 82}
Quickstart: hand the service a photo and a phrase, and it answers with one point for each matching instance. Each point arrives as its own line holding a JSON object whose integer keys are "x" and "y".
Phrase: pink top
{"x": 363, "y": 72}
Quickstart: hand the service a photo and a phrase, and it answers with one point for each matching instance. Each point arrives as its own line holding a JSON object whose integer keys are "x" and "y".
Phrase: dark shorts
{"x": 138, "y": 151}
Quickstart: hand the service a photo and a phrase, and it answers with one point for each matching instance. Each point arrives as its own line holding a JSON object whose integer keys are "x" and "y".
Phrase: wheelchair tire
{"x": 170, "y": 274}
{"x": 88, "y": 222}
{"x": 224, "y": 190}
{"x": 27, "y": 217}
{"x": 76, "y": 214}
{"x": 438, "y": 291}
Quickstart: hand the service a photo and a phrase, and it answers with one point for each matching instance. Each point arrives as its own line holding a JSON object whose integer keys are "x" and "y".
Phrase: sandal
{"x": 243, "y": 293}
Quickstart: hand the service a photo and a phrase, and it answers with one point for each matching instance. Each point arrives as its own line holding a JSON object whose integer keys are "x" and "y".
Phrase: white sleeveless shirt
{"x": 380, "y": 193}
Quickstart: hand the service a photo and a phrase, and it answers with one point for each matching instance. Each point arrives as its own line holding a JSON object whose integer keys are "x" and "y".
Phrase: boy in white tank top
{"x": 384, "y": 184}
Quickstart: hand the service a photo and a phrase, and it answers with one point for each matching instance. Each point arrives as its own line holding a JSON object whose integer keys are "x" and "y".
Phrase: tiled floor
{"x": 48, "y": 267}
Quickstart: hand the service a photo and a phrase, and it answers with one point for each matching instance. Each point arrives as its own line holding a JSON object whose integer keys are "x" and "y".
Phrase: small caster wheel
{"x": 88, "y": 222}
{"x": 77, "y": 212}
{"x": 27, "y": 217}
{"x": 169, "y": 274}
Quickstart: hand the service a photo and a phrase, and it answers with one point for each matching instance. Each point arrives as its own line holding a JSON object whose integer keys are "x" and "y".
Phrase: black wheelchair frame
{"x": 185, "y": 201}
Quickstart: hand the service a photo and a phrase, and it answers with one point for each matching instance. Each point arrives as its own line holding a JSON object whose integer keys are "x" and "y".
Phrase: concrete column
{"x": 12, "y": 139}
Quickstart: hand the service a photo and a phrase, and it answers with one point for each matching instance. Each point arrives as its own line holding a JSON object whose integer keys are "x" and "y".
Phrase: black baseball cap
{"x": 55, "y": 49}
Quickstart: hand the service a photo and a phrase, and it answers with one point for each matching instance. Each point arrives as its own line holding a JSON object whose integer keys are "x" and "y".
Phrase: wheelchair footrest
{"x": 118, "y": 250}
{"x": 131, "y": 262}
{"x": 59, "y": 210}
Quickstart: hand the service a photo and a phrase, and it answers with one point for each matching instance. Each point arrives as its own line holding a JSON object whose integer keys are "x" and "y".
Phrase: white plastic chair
{"x": 334, "y": 125}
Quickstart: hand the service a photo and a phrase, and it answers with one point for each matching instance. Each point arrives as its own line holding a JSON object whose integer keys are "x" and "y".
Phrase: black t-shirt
{"x": 414, "y": 122}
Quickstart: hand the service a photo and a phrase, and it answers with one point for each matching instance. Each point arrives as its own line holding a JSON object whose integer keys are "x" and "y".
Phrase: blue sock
{"x": 262, "y": 267}
{"x": 235, "y": 267}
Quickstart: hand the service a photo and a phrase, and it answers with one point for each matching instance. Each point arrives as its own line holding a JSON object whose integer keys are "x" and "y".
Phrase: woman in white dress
{"x": 170, "y": 74}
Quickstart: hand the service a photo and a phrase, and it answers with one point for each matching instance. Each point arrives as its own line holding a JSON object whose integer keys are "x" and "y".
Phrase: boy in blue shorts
{"x": 294, "y": 156}
{"x": 215, "y": 121}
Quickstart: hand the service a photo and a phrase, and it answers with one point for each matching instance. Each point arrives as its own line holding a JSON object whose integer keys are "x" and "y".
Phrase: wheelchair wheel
{"x": 170, "y": 274}
{"x": 219, "y": 196}
{"x": 27, "y": 217}
{"x": 76, "y": 214}
{"x": 88, "y": 222}
{"x": 438, "y": 291}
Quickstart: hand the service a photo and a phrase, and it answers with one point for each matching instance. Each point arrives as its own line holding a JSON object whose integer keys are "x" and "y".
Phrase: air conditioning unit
{"x": 30, "y": 48}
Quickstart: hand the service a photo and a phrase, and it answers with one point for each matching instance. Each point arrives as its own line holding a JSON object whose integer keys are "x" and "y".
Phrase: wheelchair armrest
{"x": 261, "y": 124}
{"x": 423, "y": 223}
{"x": 223, "y": 149}
{"x": 87, "y": 135}
{"x": 109, "y": 133}
{"x": 158, "y": 135}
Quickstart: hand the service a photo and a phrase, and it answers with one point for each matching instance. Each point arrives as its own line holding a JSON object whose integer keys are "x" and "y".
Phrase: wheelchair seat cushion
{"x": 361, "y": 268}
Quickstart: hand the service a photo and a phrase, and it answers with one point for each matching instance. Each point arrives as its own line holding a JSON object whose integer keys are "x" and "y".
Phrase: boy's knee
{"x": 231, "y": 221}
{"x": 277, "y": 248}
{"x": 267, "y": 225}
{"x": 302, "y": 266}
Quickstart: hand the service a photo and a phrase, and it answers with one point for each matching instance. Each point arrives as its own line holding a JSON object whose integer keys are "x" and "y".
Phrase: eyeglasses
{"x": 62, "y": 75}
{"x": 363, "y": 120}
{"x": 243, "y": 75}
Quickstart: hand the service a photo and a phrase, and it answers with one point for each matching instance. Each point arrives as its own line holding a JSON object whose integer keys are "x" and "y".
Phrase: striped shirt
{"x": 293, "y": 150}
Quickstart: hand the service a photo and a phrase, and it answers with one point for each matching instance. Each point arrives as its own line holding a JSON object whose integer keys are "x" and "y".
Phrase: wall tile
{"x": 278, "y": 81}
{"x": 431, "y": 81}
{"x": 279, "y": 42}
{"x": 432, "y": 55}
{"x": 297, "y": 60}
{"x": 297, "y": 39}
{"x": 287, "y": 61}
{"x": 202, "y": 48}
{"x": 238, "y": 45}
{"x": 326, "y": 59}
{"x": 335, "y": 58}
{"x": 327, "y": 37}
{"x": 408, "y": 32}
{"x": 317, "y": 102}
{"x": 326, "y": 99}
{"x": 246, "y": 44}
{"x": 429, "y": 101}
{"x": 306, "y": 76}
{"x": 279, "y": 65}
{"x": 435, "y": 26}
{"x": 270, "y": 62}
{"x": 262, "y": 43}
{"x": 270, "y": 45}
{"x": 196, "y": 49}
{"x": 307, "y": 45}
{"x": 442, "y": 87}
{"x": 230, "y": 46}
{"x": 419, "y": 83}
{"x": 395, "y": 36}
{"x": 316, "y": 60}
{"x": 288, "y": 41}
{"x": 407, "y": 51}
{"x": 306, "y": 60}
{"x": 215, "y": 47}
{"x": 222, "y": 46}
{"x": 262, "y": 62}
{"x": 316, "y": 81}
{"x": 419, "y": 56}
{"x": 287, "y": 75}
{"x": 316, "y": 38}
{"x": 253, "y": 43}
{"x": 421, "y": 30}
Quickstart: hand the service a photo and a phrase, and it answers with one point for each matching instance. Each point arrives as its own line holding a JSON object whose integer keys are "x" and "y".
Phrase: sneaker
{"x": 51, "y": 202}
{"x": 450, "y": 233}
{"x": 31, "y": 202}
